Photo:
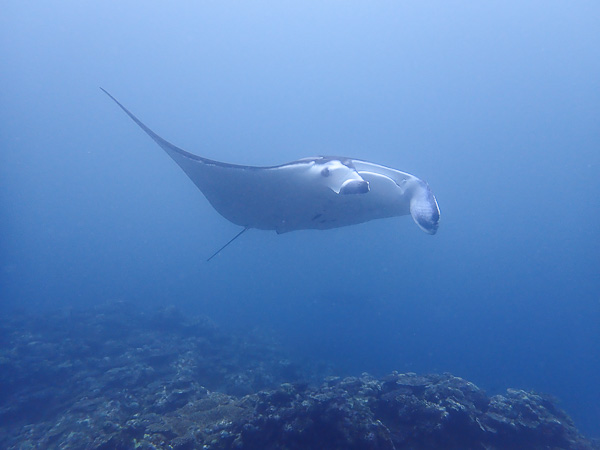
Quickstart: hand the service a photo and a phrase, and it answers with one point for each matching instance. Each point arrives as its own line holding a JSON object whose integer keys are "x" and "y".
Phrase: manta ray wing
{"x": 270, "y": 198}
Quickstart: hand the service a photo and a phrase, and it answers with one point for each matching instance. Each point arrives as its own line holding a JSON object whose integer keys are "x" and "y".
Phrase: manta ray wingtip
{"x": 109, "y": 94}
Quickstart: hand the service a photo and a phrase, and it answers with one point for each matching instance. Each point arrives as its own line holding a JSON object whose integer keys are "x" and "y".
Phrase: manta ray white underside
{"x": 311, "y": 193}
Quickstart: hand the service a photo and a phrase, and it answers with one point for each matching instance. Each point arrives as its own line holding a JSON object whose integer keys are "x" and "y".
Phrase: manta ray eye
{"x": 325, "y": 172}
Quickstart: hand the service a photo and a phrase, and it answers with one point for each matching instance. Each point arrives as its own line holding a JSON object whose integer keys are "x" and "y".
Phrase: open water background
{"x": 495, "y": 104}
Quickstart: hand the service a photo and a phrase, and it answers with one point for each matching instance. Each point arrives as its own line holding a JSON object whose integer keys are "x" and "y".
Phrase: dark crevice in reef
{"x": 115, "y": 377}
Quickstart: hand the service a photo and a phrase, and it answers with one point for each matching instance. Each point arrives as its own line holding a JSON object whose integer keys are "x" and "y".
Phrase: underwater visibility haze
{"x": 495, "y": 105}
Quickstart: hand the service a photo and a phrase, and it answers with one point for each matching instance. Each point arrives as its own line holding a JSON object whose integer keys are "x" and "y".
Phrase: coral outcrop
{"x": 114, "y": 377}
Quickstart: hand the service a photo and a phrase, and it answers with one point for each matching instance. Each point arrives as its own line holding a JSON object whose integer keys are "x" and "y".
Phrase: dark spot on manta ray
{"x": 317, "y": 216}
{"x": 325, "y": 172}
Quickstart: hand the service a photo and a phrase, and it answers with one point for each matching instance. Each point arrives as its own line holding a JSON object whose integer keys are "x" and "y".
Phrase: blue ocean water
{"x": 496, "y": 105}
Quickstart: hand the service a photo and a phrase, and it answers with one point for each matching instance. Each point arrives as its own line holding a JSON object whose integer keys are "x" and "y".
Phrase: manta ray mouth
{"x": 354, "y": 187}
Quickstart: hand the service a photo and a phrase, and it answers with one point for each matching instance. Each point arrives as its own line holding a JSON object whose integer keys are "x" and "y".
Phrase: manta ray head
{"x": 424, "y": 208}
{"x": 340, "y": 176}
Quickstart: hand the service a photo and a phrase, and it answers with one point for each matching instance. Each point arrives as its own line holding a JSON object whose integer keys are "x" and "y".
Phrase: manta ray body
{"x": 311, "y": 193}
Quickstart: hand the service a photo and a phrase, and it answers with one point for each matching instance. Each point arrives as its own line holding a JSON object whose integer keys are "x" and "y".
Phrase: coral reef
{"x": 115, "y": 377}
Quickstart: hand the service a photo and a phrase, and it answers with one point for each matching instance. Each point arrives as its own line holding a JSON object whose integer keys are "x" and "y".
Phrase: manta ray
{"x": 319, "y": 192}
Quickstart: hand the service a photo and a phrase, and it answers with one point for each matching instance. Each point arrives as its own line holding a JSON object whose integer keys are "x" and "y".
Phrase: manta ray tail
{"x": 233, "y": 239}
